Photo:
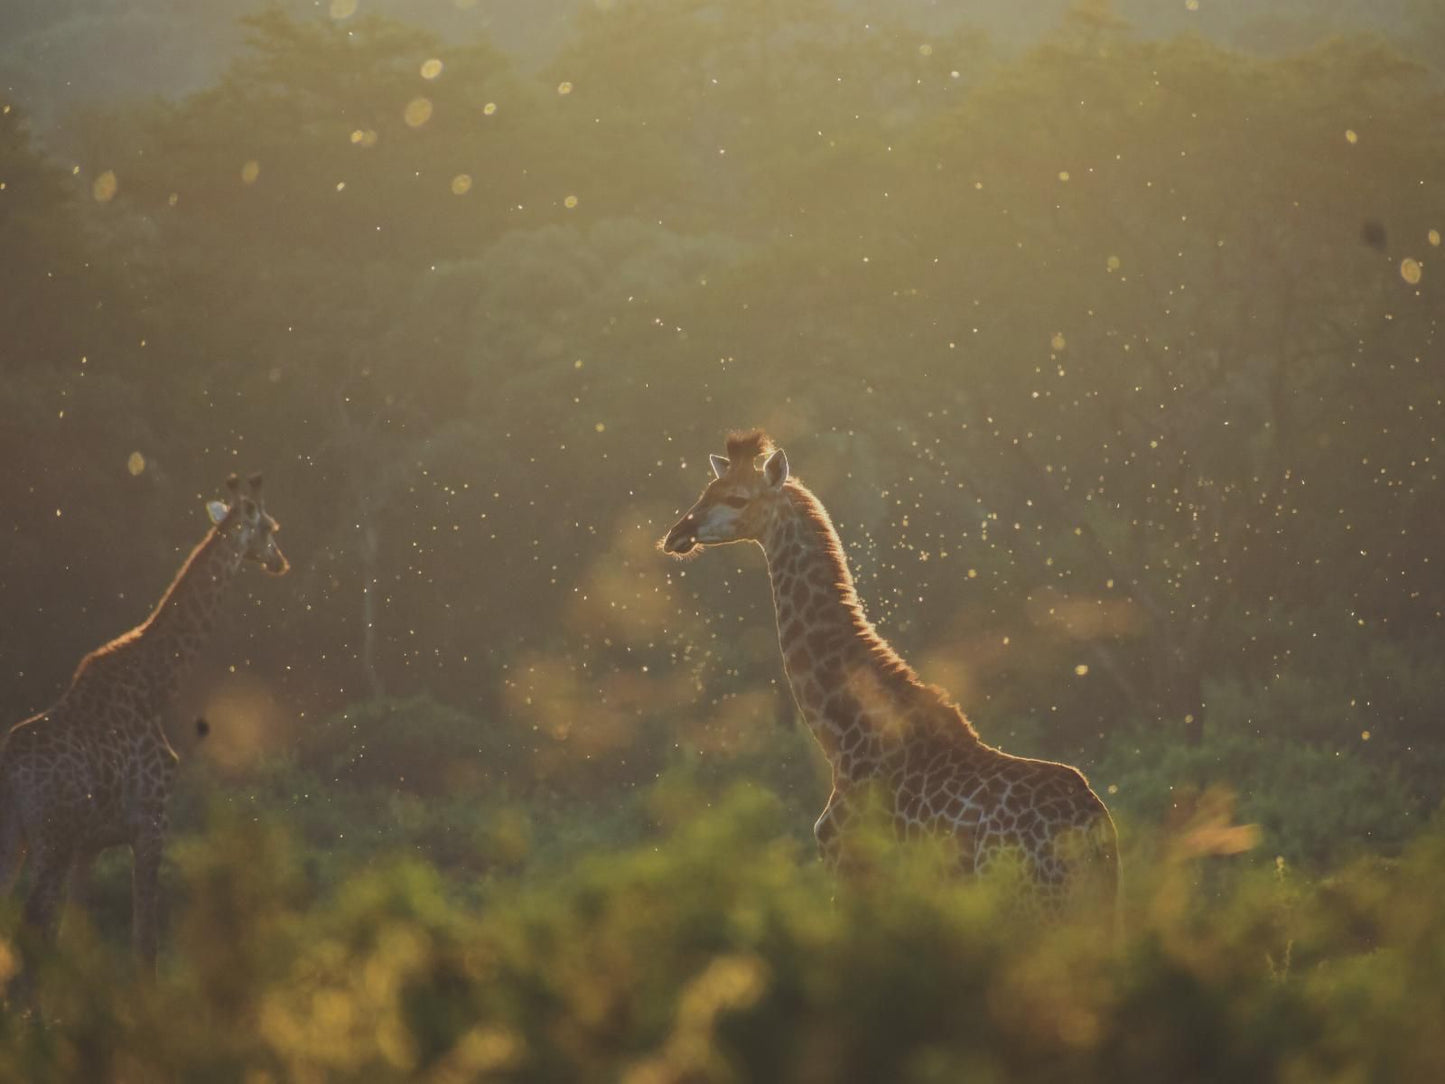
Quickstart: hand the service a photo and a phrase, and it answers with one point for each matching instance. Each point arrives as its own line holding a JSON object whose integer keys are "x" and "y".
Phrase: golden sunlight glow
{"x": 103, "y": 188}
{"x": 1410, "y": 270}
{"x": 247, "y": 722}
{"x": 417, "y": 112}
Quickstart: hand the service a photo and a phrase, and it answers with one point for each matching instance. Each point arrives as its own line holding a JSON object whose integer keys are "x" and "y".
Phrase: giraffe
{"x": 888, "y": 737}
{"x": 96, "y": 770}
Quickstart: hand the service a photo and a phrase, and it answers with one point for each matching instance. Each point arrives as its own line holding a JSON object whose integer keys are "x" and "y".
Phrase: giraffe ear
{"x": 775, "y": 469}
{"x": 217, "y": 510}
{"x": 719, "y": 464}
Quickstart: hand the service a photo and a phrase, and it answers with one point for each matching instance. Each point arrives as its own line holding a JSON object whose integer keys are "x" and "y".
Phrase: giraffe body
{"x": 887, "y": 736}
{"x": 96, "y": 769}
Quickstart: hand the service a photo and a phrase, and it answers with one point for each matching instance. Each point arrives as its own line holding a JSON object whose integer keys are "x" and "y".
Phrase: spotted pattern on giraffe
{"x": 96, "y": 770}
{"x": 884, "y": 732}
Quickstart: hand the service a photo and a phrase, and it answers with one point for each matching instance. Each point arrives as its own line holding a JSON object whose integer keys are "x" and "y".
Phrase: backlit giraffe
{"x": 95, "y": 770}
{"x": 883, "y": 730}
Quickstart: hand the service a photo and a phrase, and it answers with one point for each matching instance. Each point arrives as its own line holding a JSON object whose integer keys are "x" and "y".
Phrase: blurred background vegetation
{"x": 1113, "y": 346}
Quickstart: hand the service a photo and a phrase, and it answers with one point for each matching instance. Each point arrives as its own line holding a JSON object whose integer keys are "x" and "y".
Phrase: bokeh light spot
{"x": 431, "y": 68}
{"x": 1112, "y": 263}
{"x": 1058, "y": 342}
{"x": 250, "y": 171}
{"x": 1433, "y": 237}
{"x": 1410, "y": 270}
{"x": 489, "y": 109}
{"x": 417, "y": 112}
{"x": 103, "y": 188}
{"x": 564, "y": 87}
{"x": 570, "y": 202}
{"x": 461, "y": 184}
{"x": 1081, "y": 669}
{"x": 136, "y": 464}
{"x": 342, "y": 9}
{"x": 1351, "y": 136}
{"x": 1063, "y": 174}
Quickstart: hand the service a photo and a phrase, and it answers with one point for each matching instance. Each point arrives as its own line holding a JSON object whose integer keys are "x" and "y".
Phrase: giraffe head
{"x": 739, "y": 502}
{"x": 246, "y": 526}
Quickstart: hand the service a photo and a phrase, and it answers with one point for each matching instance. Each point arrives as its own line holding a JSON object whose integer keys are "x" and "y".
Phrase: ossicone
{"x": 744, "y": 446}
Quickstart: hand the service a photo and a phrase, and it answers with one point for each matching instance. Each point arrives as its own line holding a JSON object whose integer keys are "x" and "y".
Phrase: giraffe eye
{"x": 735, "y": 502}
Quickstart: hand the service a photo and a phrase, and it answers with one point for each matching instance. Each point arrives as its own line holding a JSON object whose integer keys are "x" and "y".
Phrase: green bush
{"x": 720, "y": 951}
{"x": 1312, "y": 804}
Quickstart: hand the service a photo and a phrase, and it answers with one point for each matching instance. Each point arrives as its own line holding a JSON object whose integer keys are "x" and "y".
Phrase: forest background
{"x": 1113, "y": 349}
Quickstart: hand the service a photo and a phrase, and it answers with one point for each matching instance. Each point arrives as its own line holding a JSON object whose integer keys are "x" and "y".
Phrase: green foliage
{"x": 718, "y": 952}
{"x": 1313, "y": 804}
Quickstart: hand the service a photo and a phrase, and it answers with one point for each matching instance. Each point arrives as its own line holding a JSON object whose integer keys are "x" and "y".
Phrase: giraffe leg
{"x": 79, "y": 894}
{"x": 47, "y": 894}
{"x": 40, "y": 920}
{"x": 145, "y": 893}
{"x": 12, "y": 847}
{"x": 828, "y": 831}
{"x": 844, "y": 813}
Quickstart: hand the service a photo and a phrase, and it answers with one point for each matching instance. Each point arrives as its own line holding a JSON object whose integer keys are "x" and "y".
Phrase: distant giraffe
{"x": 883, "y": 731}
{"x": 96, "y": 770}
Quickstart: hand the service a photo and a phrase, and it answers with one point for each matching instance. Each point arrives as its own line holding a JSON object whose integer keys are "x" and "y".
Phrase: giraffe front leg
{"x": 831, "y": 827}
{"x": 145, "y": 897}
{"x": 47, "y": 894}
{"x": 41, "y": 918}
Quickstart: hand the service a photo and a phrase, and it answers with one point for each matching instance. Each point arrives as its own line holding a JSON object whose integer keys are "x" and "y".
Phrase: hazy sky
{"x": 57, "y": 53}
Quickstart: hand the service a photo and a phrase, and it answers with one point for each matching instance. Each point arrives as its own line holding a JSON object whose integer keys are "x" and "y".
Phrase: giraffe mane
{"x": 745, "y": 445}
{"x": 893, "y": 672}
{"x": 125, "y": 639}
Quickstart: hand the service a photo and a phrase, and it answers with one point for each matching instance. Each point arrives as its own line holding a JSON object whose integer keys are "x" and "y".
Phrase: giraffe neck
{"x": 152, "y": 657}
{"x": 856, "y": 695}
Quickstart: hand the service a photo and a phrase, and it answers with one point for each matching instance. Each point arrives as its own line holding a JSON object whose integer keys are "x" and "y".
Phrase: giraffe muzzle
{"x": 682, "y": 539}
